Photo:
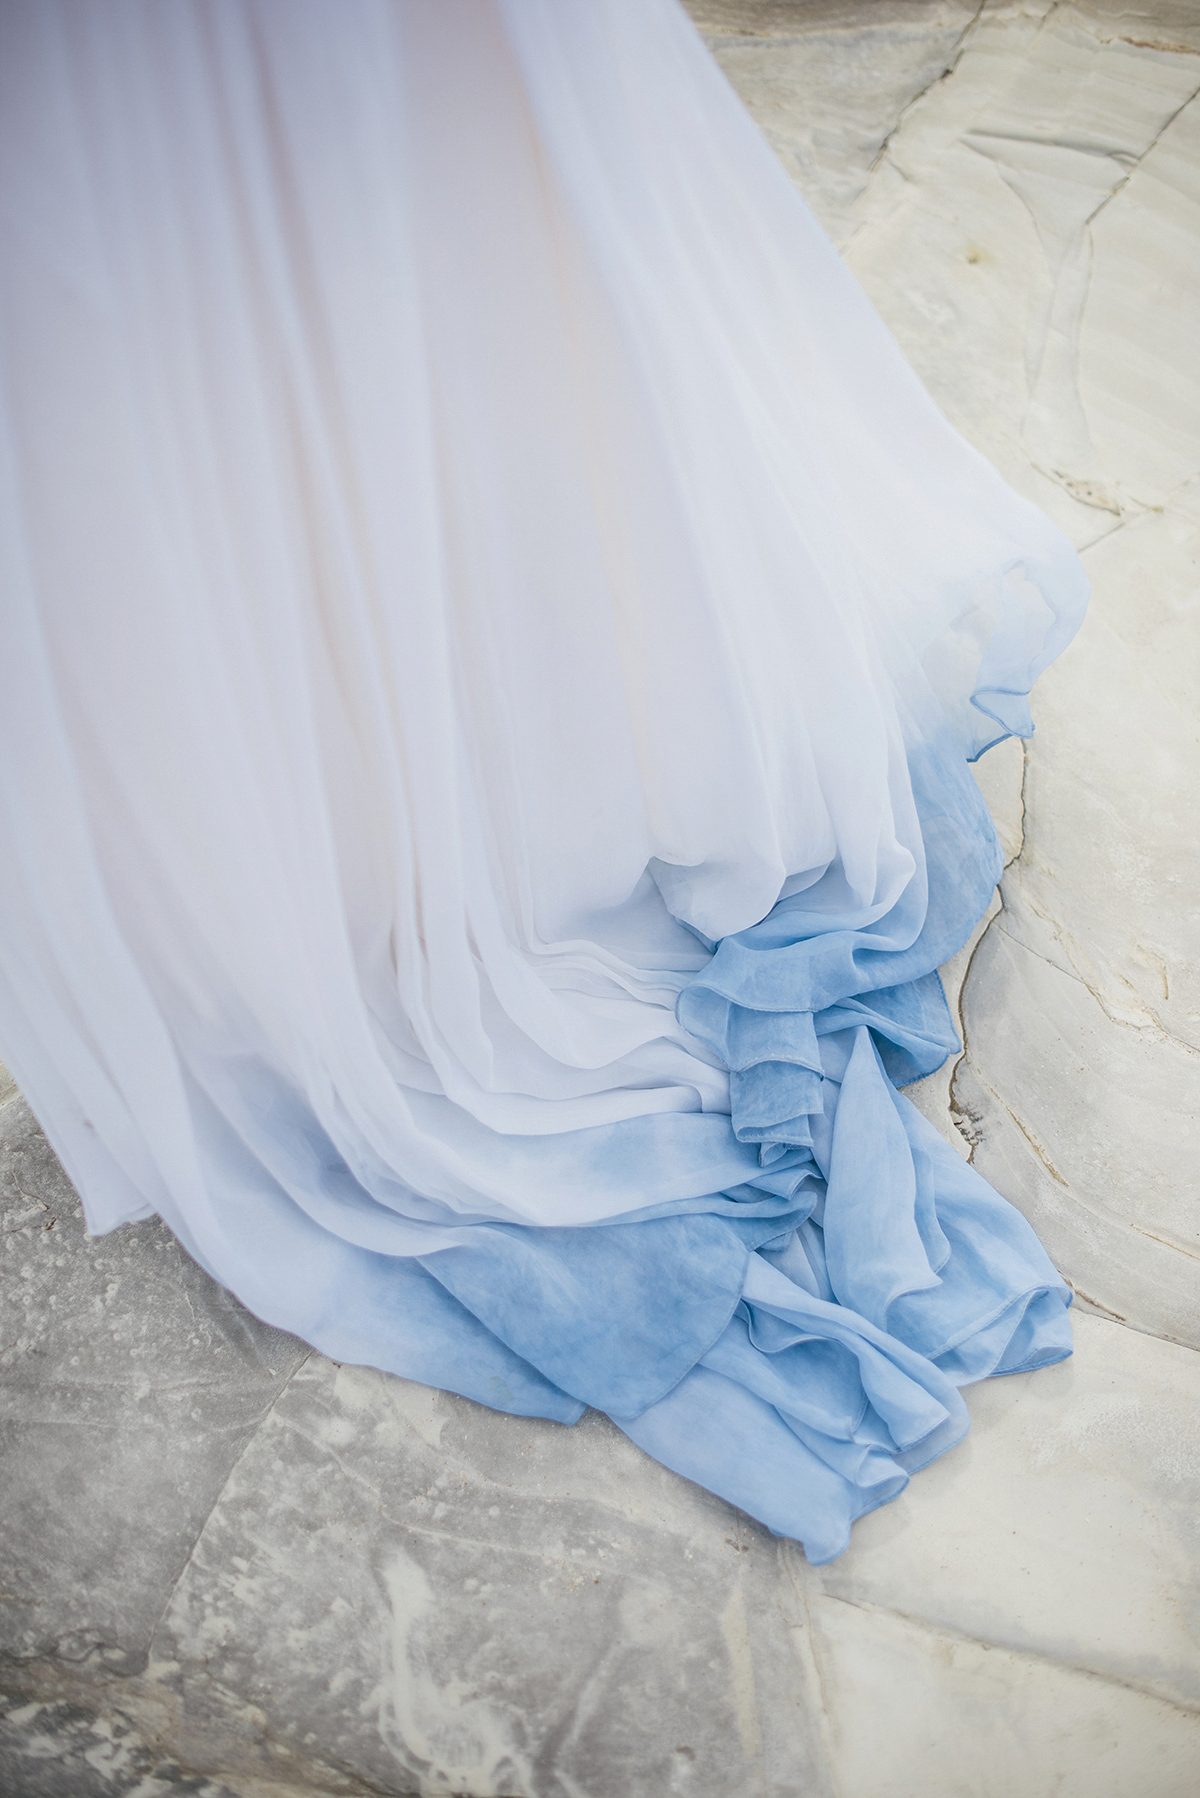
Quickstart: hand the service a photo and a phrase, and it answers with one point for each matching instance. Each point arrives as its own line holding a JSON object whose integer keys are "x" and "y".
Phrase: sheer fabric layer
{"x": 493, "y": 631}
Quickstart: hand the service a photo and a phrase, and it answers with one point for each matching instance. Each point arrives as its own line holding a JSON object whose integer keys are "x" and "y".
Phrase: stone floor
{"x": 232, "y": 1568}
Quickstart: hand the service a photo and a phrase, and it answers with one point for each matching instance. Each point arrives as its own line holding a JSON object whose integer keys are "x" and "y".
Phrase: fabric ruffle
{"x": 838, "y": 1374}
{"x": 895, "y": 1276}
{"x": 795, "y": 1343}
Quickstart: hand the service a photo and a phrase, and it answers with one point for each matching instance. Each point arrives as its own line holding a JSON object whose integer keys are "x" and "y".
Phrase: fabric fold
{"x": 494, "y": 631}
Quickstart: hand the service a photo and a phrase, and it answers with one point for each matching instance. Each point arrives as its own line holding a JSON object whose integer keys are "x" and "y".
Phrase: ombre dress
{"x": 493, "y": 636}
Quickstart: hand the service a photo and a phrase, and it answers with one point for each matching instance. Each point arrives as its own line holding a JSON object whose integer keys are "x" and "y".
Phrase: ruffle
{"x": 984, "y": 662}
{"x": 796, "y": 1347}
{"x": 906, "y": 1276}
{"x": 838, "y": 1375}
{"x": 892, "y": 1274}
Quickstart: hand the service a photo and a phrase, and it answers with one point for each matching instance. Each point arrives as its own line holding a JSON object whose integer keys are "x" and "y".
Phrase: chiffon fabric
{"x": 493, "y": 636}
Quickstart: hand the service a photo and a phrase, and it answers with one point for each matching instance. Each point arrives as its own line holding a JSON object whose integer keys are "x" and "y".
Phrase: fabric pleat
{"x": 494, "y": 633}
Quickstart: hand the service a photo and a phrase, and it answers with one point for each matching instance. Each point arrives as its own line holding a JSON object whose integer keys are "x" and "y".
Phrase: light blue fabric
{"x": 909, "y": 1276}
{"x": 795, "y": 1341}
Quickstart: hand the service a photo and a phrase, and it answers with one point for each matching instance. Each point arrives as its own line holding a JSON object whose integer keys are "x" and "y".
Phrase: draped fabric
{"x": 493, "y": 632}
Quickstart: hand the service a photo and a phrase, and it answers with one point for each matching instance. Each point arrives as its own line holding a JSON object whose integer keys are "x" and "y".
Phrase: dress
{"x": 493, "y": 636}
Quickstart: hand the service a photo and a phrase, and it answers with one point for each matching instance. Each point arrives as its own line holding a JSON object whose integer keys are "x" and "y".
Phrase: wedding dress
{"x": 494, "y": 633}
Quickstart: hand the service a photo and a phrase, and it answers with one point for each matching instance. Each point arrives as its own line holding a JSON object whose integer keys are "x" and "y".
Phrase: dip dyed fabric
{"x": 493, "y": 637}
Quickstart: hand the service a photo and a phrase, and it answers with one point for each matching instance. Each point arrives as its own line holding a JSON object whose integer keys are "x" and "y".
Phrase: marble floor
{"x": 232, "y": 1568}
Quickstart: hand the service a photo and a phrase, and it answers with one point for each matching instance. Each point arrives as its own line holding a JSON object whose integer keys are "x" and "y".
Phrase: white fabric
{"x": 462, "y": 526}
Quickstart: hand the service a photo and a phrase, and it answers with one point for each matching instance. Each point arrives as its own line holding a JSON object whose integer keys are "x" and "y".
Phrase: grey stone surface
{"x": 504, "y": 1606}
{"x": 232, "y": 1568}
{"x": 129, "y": 1386}
{"x": 62, "y": 1750}
{"x": 395, "y": 1590}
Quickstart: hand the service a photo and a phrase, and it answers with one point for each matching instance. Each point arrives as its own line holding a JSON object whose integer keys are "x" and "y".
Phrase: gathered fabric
{"x": 493, "y": 637}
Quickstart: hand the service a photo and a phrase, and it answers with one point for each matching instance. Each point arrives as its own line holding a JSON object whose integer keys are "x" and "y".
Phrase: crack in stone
{"x": 1149, "y": 43}
{"x": 811, "y": 1658}
{"x": 1154, "y": 1027}
{"x": 957, "y": 52}
{"x": 1124, "y": 519}
{"x": 1030, "y": 1138}
{"x": 958, "y": 1110}
{"x": 1043, "y": 142}
{"x": 1141, "y": 156}
{"x": 1102, "y": 1217}
{"x": 961, "y": 1111}
{"x": 1020, "y": 848}
{"x": 1128, "y": 1323}
{"x": 1083, "y": 488}
{"x": 1067, "y": 973}
{"x": 882, "y": 155}
{"x": 208, "y": 1515}
{"x": 1165, "y": 1242}
{"x": 962, "y": 1115}
{"x": 1113, "y": 1316}
{"x": 1044, "y": 1657}
{"x": 1080, "y": 487}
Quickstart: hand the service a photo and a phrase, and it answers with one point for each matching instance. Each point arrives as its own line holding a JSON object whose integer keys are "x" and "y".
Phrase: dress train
{"x": 494, "y": 632}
